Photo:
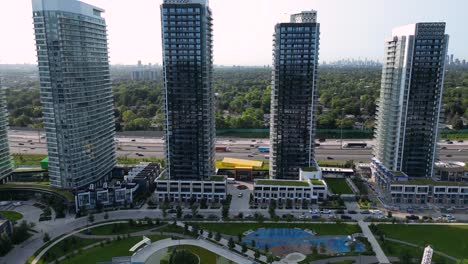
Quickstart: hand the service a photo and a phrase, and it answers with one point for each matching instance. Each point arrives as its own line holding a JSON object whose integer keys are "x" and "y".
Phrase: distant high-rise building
{"x": 294, "y": 95}
{"x": 189, "y": 97}
{"x": 76, "y": 92}
{"x": 410, "y": 102}
{"x": 451, "y": 59}
{"x": 5, "y": 158}
{"x": 145, "y": 72}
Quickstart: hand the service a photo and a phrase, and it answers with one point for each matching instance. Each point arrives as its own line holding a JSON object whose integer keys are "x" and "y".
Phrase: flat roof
{"x": 242, "y": 162}
{"x": 397, "y": 173}
{"x": 428, "y": 181}
{"x": 317, "y": 182}
{"x": 309, "y": 169}
{"x": 282, "y": 183}
{"x": 336, "y": 169}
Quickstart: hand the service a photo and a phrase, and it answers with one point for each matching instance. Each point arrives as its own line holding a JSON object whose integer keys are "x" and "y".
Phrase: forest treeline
{"x": 347, "y": 98}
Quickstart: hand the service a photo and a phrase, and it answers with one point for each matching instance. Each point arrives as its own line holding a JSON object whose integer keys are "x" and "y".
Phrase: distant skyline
{"x": 243, "y": 29}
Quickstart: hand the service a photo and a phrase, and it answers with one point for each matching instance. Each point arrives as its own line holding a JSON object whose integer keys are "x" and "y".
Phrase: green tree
{"x": 231, "y": 243}
{"x": 46, "y": 237}
{"x": 179, "y": 211}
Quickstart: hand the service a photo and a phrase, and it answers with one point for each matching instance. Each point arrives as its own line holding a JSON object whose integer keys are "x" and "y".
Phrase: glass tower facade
{"x": 294, "y": 95}
{"x": 410, "y": 99}
{"x": 189, "y": 96}
{"x": 5, "y": 158}
{"x": 76, "y": 92}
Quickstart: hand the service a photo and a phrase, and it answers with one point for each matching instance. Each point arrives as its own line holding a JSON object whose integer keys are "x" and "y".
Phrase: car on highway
{"x": 443, "y": 148}
{"x": 329, "y": 158}
{"x": 21, "y": 144}
{"x": 449, "y": 142}
{"x": 250, "y": 156}
{"x": 247, "y": 148}
{"x": 448, "y": 155}
{"x": 133, "y": 140}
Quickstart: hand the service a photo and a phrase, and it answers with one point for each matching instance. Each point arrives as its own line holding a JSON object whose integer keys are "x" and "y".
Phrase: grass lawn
{"x": 206, "y": 256}
{"x": 321, "y": 229}
{"x": 118, "y": 229}
{"x": 28, "y": 159}
{"x": 11, "y": 215}
{"x": 68, "y": 245}
{"x": 448, "y": 239}
{"x": 117, "y": 248}
{"x": 395, "y": 250}
{"x": 338, "y": 186}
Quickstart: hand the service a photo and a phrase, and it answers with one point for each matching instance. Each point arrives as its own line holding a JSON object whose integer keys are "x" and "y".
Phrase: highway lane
{"x": 28, "y": 142}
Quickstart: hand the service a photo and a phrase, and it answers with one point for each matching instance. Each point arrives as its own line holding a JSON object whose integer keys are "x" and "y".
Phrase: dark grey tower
{"x": 410, "y": 101}
{"x": 294, "y": 95}
{"x": 76, "y": 92}
{"x": 189, "y": 106}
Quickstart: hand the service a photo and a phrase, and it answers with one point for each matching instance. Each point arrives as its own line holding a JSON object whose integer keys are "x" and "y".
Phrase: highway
{"x": 27, "y": 142}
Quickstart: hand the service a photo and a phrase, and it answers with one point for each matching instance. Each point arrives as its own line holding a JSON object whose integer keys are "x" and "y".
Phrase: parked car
{"x": 240, "y": 195}
{"x": 188, "y": 216}
{"x": 325, "y": 211}
{"x": 347, "y": 217}
{"x": 249, "y": 216}
{"x": 302, "y": 216}
{"x": 365, "y": 212}
{"x": 172, "y": 211}
{"x": 213, "y": 217}
{"x": 314, "y": 211}
{"x": 339, "y": 211}
{"x": 352, "y": 212}
{"x": 412, "y": 217}
{"x": 460, "y": 141}
{"x": 199, "y": 216}
{"x": 315, "y": 216}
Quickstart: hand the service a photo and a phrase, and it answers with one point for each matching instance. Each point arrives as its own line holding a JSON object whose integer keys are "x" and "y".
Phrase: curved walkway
{"x": 39, "y": 256}
{"x": 143, "y": 255}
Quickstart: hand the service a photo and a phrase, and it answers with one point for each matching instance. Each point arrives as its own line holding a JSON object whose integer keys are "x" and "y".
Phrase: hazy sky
{"x": 243, "y": 28}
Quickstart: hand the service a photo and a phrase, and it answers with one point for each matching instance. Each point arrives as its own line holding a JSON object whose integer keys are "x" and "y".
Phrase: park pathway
{"x": 144, "y": 254}
{"x": 375, "y": 245}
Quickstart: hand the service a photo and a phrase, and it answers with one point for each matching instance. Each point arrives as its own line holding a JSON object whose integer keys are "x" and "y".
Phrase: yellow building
{"x": 242, "y": 169}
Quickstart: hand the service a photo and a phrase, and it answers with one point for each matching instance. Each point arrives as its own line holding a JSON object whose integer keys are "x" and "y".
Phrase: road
{"x": 28, "y": 142}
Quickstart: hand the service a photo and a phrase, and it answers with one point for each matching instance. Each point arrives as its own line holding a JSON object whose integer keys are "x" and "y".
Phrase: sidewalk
{"x": 375, "y": 245}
